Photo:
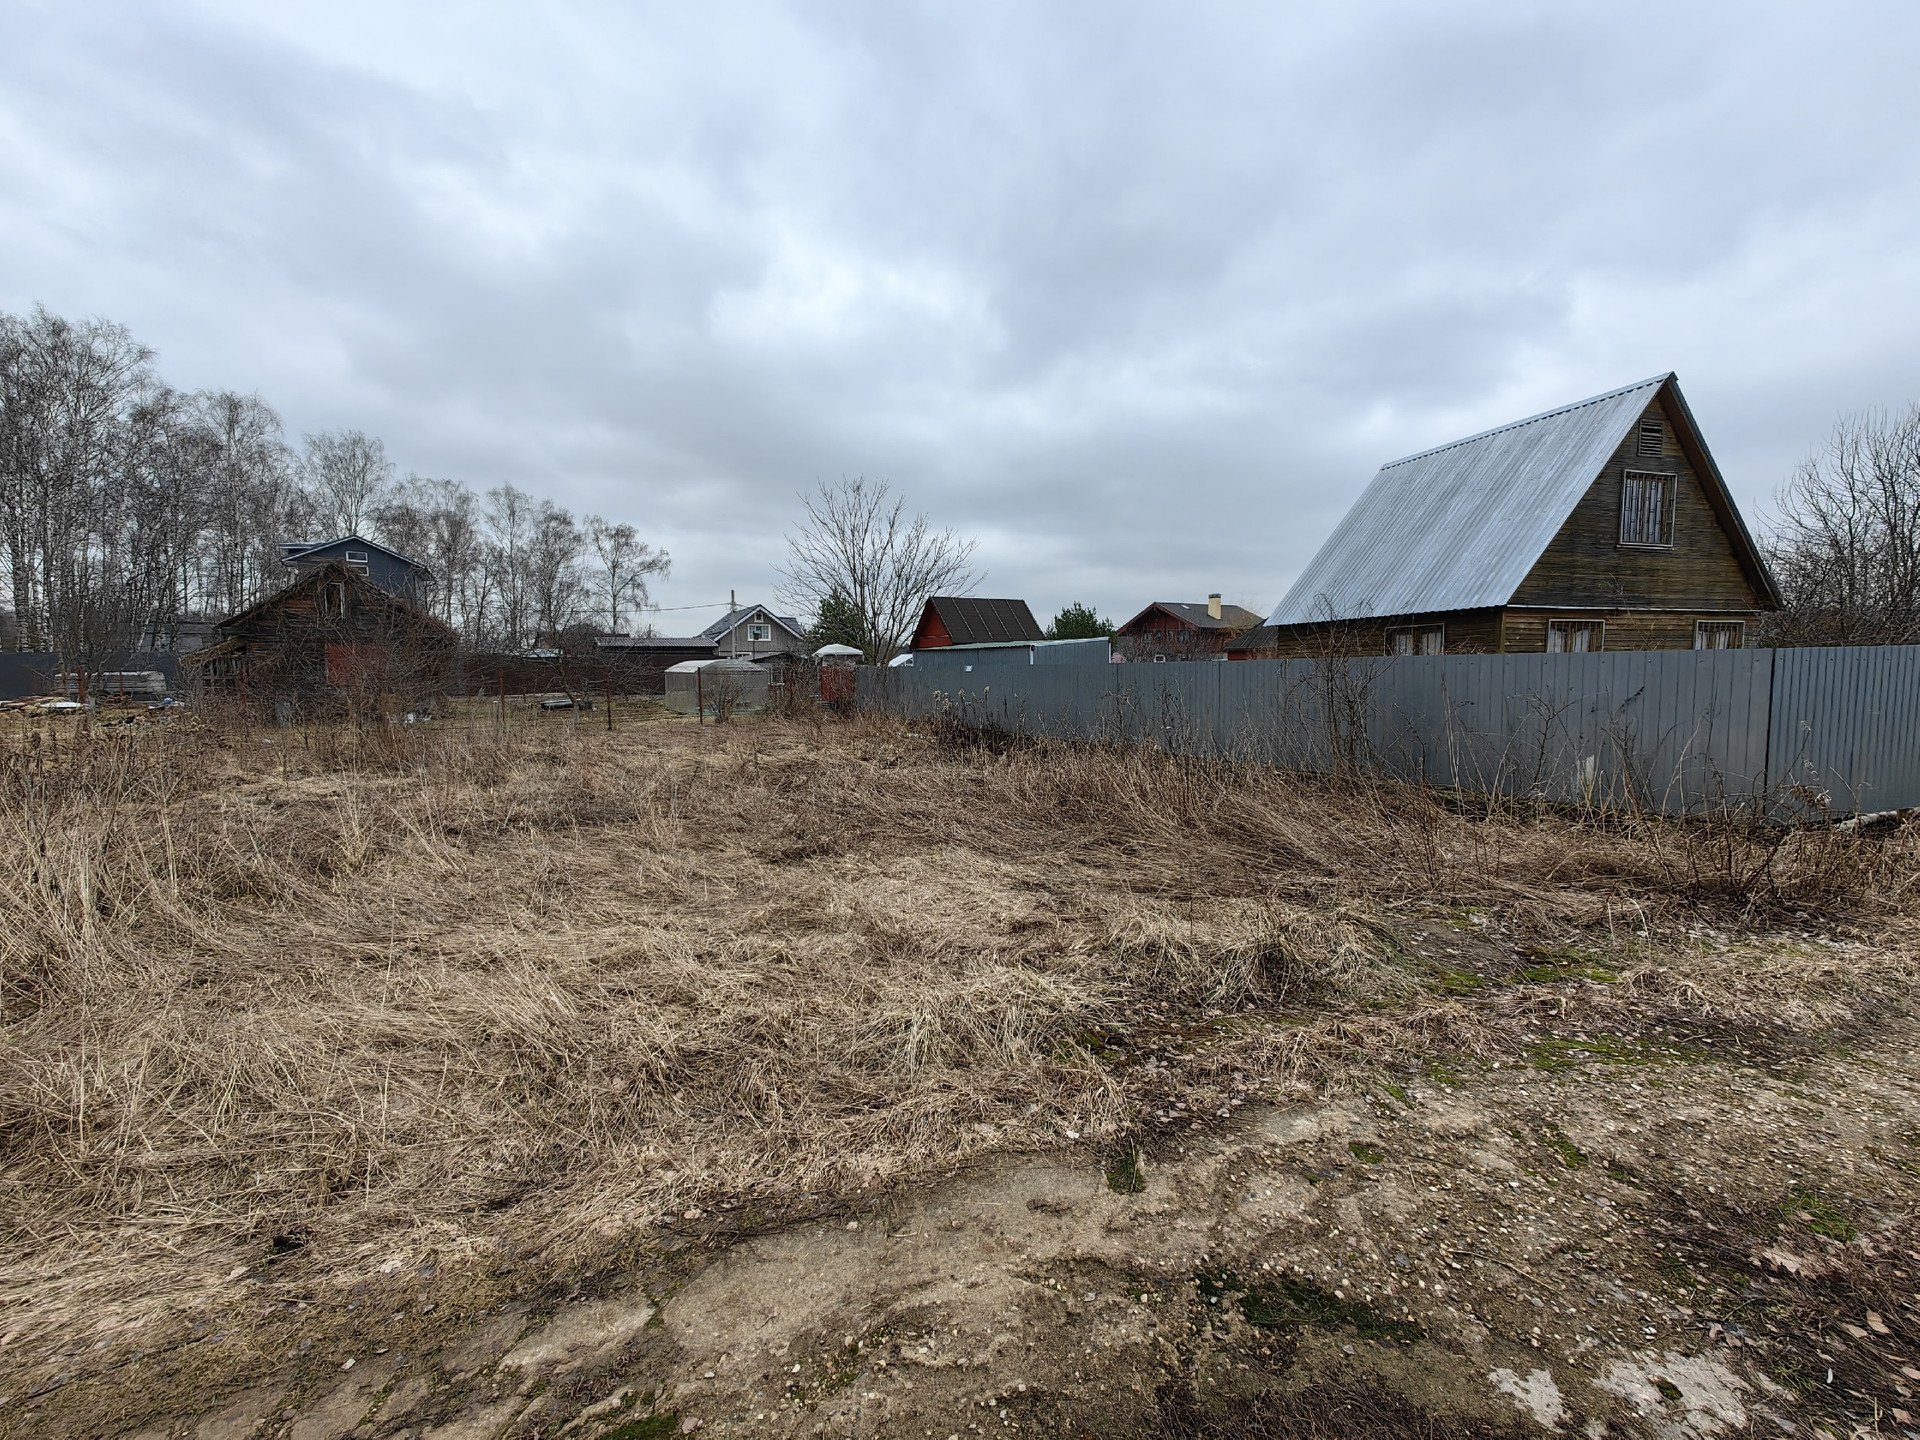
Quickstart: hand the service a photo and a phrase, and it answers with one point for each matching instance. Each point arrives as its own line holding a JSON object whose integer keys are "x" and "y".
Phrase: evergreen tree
{"x": 1079, "y": 622}
{"x": 839, "y": 624}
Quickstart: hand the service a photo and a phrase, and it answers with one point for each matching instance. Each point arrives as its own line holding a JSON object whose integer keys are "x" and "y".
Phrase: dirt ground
{"x": 1551, "y": 1174}
{"x": 1667, "y": 1234}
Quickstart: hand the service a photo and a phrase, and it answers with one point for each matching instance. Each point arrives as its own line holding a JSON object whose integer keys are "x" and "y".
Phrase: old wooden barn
{"x": 333, "y": 643}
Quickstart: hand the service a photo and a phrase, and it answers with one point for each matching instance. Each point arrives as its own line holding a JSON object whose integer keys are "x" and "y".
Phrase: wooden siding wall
{"x": 932, "y": 634}
{"x": 1626, "y": 629}
{"x": 1487, "y": 632}
{"x": 734, "y": 642}
{"x": 1468, "y": 632}
{"x": 1587, "y": 567}
{"x": 288, "y": 650}
{"x": 391, "y": 574}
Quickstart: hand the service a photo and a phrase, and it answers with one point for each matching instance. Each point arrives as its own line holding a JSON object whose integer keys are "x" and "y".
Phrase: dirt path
{"x": 1662, "y": 1237}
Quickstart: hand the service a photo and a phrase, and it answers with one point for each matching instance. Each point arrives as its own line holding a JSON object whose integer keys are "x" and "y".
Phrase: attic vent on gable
{"x": 1653, "y": 437}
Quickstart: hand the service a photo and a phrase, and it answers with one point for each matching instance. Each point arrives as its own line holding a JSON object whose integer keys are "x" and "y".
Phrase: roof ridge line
{"x": 1531, "y": 419}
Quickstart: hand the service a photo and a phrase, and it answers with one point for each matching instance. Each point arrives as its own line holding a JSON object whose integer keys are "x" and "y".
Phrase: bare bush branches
{"x": 857, "y": 550}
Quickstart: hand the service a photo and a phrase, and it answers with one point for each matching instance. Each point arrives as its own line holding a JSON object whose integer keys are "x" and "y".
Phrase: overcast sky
{"x": 1140, "y": 295}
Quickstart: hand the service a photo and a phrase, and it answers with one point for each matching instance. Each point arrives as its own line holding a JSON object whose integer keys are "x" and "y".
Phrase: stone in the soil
{"x": 579, "y": 1336}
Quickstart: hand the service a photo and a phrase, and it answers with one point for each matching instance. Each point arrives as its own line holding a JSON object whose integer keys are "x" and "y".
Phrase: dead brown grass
{"x": 390, "y": 995}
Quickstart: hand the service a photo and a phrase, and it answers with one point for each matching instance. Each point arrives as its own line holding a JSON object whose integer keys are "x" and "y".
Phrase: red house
{"x": 1179, "y": 630}
{"x": 963, "y": 620}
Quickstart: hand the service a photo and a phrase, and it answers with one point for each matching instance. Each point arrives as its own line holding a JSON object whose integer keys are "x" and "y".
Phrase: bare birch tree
{"x": 348, "y": 475}
{"x": 437, "y": 522}
{"x": 510, "y": 519}
{"x": 68, "y": 393}
{"x": 251, "y": 503}
{"x": 1847, "y": 550}
{"x": 626, "y": 563}
{"x": 553, "y": 572}
{"x": 856, "y": 547}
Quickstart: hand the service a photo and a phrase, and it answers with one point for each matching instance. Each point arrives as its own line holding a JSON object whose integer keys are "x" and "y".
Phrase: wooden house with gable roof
{"x": 1603, "y": 525}
{"x": 334, "y": 642}
{"x": 967, "y": 620}
{"x": 1183, "y": 630}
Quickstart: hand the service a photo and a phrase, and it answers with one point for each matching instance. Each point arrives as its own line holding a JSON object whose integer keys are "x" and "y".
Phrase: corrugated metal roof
{"x": 1459, "y": 526}
{"x": 973, "y": 621}
{"x": 654, "y": 642}
{"x": 984, "y": 645}
{"x": 1260, "y": 637}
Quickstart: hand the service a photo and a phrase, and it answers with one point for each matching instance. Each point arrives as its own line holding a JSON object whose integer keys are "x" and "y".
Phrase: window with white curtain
{"x": 1575, "y": 637}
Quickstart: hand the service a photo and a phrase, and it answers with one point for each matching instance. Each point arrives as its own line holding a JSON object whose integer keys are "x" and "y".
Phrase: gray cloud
{"x": 1140, "y": 294}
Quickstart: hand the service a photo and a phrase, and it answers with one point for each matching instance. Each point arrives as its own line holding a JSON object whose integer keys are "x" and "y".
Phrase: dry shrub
{"x": 412, "y": 990}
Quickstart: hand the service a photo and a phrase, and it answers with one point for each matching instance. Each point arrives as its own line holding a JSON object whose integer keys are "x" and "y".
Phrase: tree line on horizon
{"x": 128, "y": 507}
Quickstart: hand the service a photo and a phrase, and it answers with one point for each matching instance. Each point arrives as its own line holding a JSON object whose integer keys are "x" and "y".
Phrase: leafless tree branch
{"x": 856, "y": 544}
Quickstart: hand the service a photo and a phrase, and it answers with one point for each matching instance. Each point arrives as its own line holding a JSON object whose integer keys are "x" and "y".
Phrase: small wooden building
{"x": 1603, "y": 525}
{"x": 332, "y": 644}
{"x": 1182, "y": 630}
{"x": 963, "y": 620}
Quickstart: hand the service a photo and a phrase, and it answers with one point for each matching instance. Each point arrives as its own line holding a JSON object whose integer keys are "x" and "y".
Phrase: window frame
{"x": 1395, "y": 631}
{"x": 1671, "y": 484}
{"x": 1735, "y": 627}
{"x": 1569, "y": 621}
{"x": 759, "y": 633}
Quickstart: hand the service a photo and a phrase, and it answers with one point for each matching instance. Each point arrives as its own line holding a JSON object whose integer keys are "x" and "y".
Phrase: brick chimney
{"x": 1213, "y": 607}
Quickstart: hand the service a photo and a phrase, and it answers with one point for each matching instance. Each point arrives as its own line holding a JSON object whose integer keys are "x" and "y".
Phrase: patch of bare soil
{"x": 849, "y": 1082}
{"x": 1577, "y": 1240}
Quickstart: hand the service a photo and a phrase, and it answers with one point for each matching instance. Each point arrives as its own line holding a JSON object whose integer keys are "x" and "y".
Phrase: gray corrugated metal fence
{"x": 1673, "y": 731}
{"x": 34, "y": 672}
{"x": 1846, "y": 725}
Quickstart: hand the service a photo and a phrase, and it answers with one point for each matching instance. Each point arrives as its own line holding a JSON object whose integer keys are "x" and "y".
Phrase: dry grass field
{"x": 515, "y": 1016}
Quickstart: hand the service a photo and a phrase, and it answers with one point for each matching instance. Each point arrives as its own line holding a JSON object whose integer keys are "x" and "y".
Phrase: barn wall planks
{"x": 1671, "y": 731}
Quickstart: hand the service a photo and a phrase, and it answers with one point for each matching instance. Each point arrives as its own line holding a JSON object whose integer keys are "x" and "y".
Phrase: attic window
{"x": 1646, "y": 509}
{"x": 759, "y": 632}
{"x": 333, "y": 600}
{"x": 1653, "y": 437}
{"x": 356, "y": 557}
